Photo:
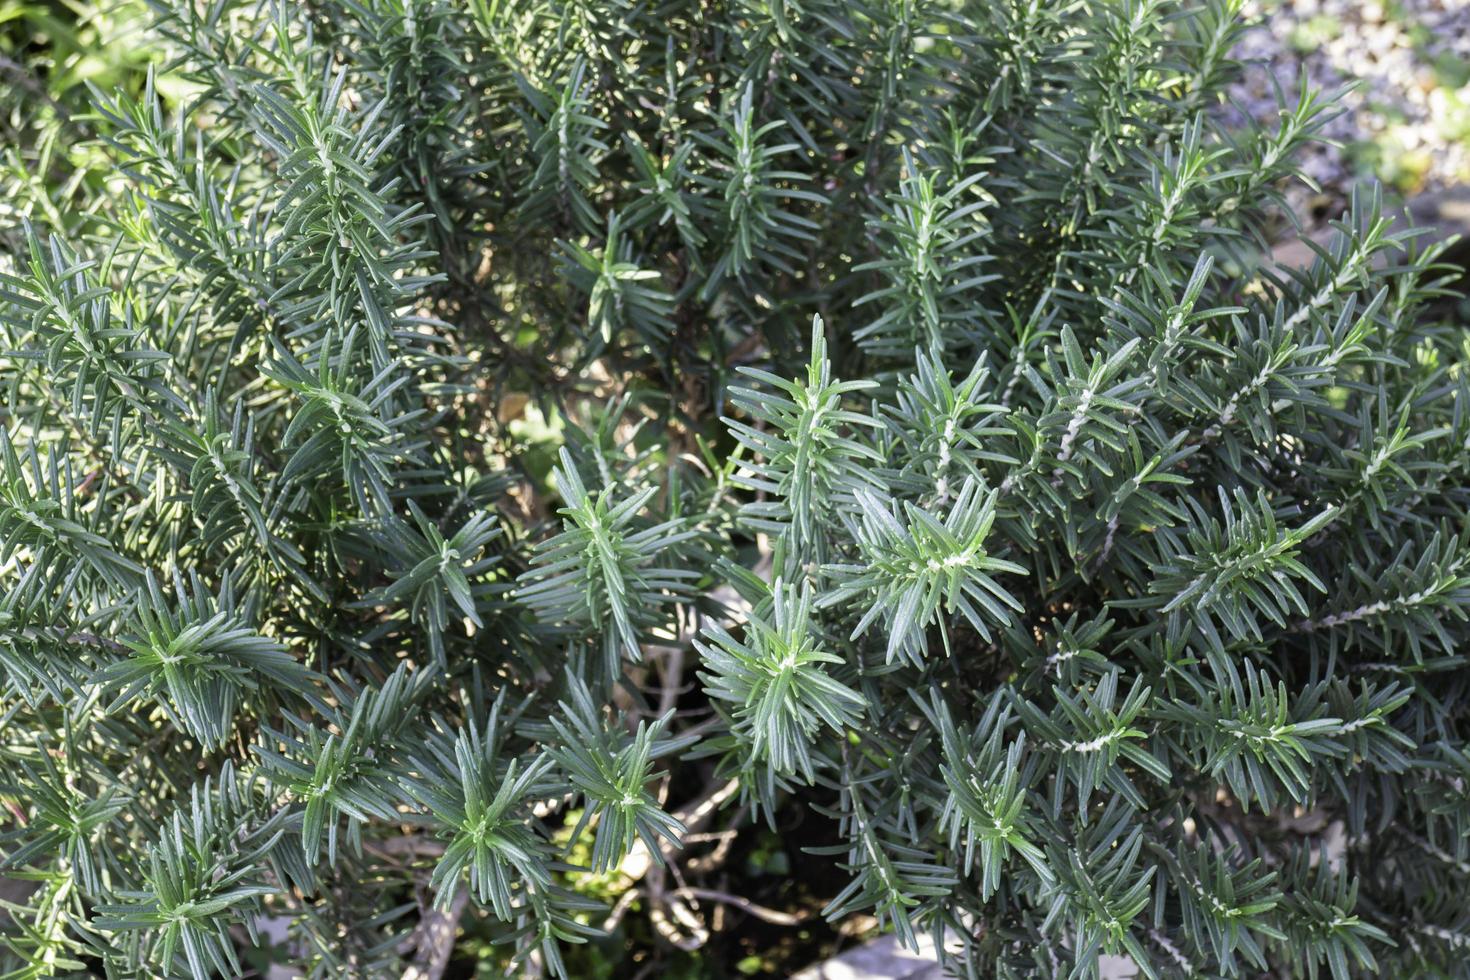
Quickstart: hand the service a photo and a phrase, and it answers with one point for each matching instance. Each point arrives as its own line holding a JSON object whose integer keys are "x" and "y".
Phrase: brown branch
{"x": 433, "y": 939}
{"x": 409, "y": 845}
{"x": 673, "y": 920}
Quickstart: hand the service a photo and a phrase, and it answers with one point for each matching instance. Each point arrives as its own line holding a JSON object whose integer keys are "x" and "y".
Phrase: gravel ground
{"x": 1407, "y": 121}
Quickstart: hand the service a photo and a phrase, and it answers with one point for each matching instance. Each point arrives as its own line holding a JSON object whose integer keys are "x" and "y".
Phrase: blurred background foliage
{"x": 52, "y": 55}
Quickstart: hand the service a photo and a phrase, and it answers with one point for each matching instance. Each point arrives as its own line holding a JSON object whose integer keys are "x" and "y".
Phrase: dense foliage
{"x": 446, "y": 446}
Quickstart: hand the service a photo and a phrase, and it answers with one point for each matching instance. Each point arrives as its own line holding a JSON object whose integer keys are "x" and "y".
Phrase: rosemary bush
{"x": 433, "y": 427}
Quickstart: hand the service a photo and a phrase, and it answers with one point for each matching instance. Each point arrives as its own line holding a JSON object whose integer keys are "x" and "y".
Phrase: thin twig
{"x": 743, "y": 904}
{"x": 673, "y": 675}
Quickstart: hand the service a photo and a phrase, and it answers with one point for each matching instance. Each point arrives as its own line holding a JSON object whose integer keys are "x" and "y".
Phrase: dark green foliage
{"x": 442, "y": 440}
{"x": 778, "y": 689}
